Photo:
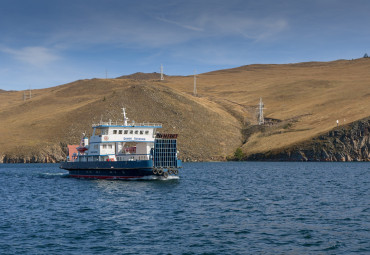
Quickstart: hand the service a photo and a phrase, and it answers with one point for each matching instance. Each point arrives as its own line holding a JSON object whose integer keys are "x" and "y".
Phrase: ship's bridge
{"x": 112, "y": 132}
{"x": 122, "y": 141}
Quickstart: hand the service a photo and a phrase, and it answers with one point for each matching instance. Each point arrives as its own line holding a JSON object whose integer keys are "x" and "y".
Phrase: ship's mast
{"x": 125, "y": 119}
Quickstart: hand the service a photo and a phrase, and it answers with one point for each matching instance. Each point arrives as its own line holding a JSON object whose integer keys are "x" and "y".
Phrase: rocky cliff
{"x": 48, "y": 154}
{"x": 345, "y": 143}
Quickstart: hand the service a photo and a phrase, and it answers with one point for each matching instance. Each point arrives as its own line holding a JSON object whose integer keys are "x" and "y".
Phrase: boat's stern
{"x": 165, "y": 161}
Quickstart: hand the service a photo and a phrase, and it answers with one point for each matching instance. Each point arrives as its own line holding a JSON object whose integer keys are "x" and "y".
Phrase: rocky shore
{"x": 345, "y": 143}
{"x": 48, "y": 154}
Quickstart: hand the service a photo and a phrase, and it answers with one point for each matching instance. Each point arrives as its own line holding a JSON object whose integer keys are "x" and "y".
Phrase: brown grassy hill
{"x": 141, "y": 76}
{"x": 307, "y": 98}
{"x": 302, "y": 101}
{"x": 30, "y": 129}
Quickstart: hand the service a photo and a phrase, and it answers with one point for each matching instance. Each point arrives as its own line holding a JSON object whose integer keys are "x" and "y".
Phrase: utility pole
{"x": 261, "y": 119}
{"x": 195, "y": 83}
{"x": 162, "y": 78}
{"x": 25, "y": 96}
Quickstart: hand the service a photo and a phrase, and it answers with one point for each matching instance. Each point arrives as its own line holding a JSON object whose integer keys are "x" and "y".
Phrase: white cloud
{"x": 35, "y": 56}
{"x": 160, "y": 26}
{"x": 181, "y": 25}
{"x": 239, "y": 24}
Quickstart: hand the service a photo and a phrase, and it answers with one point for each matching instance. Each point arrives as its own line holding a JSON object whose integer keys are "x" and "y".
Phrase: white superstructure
{"x": 113, "y": 141}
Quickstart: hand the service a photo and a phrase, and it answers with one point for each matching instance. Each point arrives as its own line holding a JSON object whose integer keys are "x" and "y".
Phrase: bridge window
{"x": 110, "y": 146}
{"x": 136, "y": 132}
{"x": 147, "y": 132}
{"x": 131, "y": 132}
{"x": 141, "y": 132}
{"x": 120, "y": 132}
{"x": 126, "y": 132}
{"x": 114, "y": 132}
{"x": 104, "y": 146}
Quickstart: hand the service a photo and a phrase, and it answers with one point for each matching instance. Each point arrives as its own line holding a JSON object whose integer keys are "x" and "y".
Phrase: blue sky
{"x": 45, "y": 43}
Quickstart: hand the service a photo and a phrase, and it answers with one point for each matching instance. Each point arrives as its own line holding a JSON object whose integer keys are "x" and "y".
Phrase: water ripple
{"x": 212, "y": 208}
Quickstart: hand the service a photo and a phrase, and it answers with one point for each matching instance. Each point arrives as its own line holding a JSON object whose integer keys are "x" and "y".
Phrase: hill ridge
{"x": 302, "y": 101}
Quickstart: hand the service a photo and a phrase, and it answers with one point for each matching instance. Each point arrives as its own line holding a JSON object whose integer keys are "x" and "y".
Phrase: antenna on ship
{"x": 195, "y": 83}
{"x": 162, "y": 78}
{"x": 125, "y": 119}
{"x": 261, "y": 120}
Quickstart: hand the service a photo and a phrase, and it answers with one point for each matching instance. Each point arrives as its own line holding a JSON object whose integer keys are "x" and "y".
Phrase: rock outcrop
{"x": 346, "y": 143}
{"x": 48, "y": 154}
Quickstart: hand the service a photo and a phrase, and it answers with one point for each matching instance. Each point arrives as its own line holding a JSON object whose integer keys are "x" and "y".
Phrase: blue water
{"x": 212, "y": 208}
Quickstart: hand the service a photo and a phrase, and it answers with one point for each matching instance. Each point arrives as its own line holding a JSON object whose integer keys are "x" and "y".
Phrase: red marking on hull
{"x": 103, "y": 177}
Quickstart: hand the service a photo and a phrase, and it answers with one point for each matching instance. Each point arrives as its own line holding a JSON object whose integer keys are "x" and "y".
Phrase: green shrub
{"x": 238, "y": 155}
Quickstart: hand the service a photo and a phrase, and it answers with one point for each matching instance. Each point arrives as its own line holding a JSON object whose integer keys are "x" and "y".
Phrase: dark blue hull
{"x": 111, "y": 169}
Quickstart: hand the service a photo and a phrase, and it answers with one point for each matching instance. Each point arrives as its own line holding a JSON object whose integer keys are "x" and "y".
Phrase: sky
{"x": 45, "y": 43}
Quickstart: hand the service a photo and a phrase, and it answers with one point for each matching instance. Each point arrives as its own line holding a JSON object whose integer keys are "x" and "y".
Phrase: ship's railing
{"x": 133, "y": 124}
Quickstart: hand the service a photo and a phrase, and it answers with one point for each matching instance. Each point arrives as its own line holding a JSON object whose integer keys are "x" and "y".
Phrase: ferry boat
{"x": 123, "y": 151}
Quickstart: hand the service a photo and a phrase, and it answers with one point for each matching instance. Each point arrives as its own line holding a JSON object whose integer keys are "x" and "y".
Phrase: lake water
{"x": 212, "y": 208}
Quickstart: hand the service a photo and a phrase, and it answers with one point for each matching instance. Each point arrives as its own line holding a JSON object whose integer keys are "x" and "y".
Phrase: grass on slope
{"x": 305, "y": 100}
{"x": 320, "y": 93}
{"x": 62, "y": 113}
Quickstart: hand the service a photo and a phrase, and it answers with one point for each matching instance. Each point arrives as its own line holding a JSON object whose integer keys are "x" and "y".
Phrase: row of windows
{"x": 109, "y": 146}
{"x": 132, "y": 158}
{"x": 136, "y": 132}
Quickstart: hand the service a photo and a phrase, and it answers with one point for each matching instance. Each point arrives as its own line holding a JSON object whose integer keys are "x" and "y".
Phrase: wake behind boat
{"x": 122, "y": 151}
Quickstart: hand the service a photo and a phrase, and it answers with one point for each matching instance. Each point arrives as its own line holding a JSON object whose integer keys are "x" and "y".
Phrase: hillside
{"x": 305, "y": 99}
{"x": 142, "y": 76}
{"x": 31, "y": 129}
{"x": 302, "y": 101}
